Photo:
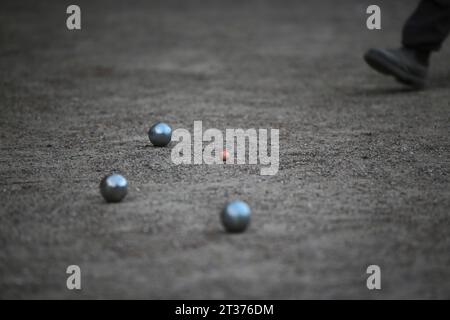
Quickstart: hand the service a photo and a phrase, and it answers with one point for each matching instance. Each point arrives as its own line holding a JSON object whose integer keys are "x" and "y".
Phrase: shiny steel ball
{"x": 114, "y": 188}
{"x": 160, "y": 134}
{"x": 236, "y": 216}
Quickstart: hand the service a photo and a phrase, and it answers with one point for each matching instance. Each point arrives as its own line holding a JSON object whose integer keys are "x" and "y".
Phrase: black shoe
{"x": 407, "y": 66}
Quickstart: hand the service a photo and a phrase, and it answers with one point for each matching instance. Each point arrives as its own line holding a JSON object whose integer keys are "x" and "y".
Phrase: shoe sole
{"x": 384, "y": 65}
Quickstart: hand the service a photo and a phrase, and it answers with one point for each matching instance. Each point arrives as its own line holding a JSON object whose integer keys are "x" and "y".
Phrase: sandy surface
{"x": 364, "y": 163}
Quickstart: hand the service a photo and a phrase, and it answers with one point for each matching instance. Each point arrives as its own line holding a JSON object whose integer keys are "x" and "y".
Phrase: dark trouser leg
{"x": 428, "y": 26}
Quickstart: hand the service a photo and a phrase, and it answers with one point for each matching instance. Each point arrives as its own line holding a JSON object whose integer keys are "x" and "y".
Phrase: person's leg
{"x": 428, "y": 26}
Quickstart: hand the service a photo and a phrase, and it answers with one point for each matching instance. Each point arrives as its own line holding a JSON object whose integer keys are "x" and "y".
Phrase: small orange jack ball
{"x": 224, "y": 155}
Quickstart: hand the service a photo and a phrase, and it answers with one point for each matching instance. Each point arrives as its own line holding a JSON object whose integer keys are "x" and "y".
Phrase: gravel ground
{"x": 364, "y": 163}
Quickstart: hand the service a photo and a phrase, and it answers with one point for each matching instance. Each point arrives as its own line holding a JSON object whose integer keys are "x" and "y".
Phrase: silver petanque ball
{"x": 114, "y": 188}
{"x": 160, "y": 134}
{"x": 236, "y": 216}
